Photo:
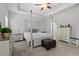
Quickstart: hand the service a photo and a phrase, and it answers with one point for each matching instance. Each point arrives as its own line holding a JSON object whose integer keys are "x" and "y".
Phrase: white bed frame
{"x": 34, "y": 42}
{"x": 36, "y": 38}
{"x": 37, "y": 42}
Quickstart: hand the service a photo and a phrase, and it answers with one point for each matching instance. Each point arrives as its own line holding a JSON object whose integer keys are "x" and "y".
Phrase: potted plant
{"x": 6, "y": 32}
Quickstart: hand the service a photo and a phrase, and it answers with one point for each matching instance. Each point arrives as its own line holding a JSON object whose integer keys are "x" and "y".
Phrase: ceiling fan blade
{"x": 37, "y": 4}
{"x": 49, "y": 7}
{"x": 41, "y": 8}
{"x": 48, "y": 3}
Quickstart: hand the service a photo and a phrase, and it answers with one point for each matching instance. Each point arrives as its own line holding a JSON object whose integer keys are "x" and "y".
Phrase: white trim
{"x": 6, "y": 21}
{"x": 63, "y": 7}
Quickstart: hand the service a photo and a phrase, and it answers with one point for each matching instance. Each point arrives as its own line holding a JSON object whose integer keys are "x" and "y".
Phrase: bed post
{"x": 52, "y": 29}
{"x": 31, "y": 31}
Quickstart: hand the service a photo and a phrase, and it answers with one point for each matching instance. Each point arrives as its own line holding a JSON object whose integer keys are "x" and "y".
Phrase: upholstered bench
{"x": 77, "y": 40}
{"x": 48, "y": 43}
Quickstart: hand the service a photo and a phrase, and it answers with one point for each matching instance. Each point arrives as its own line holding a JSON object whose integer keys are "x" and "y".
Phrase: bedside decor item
{"x": 6, "y": 32}
{"x": 61, "y": 26}
{"x": 69, "y": 25}
{"x": 65, "y": 26}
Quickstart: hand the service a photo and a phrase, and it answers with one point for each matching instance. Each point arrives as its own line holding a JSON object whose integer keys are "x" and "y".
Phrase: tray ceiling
{"x": 26, "y": 7}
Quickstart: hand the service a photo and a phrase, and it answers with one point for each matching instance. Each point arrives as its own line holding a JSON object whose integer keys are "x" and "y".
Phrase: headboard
{"x": 33, "y": 30}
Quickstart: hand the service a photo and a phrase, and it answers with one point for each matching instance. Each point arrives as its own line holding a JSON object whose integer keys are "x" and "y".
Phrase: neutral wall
{"x": 22, "y": 23}
{"x": 16, "y": 22}
{"x": 69, "y": 16}
{"x": 48, "y": 24}
{"x": 3, "y": 13}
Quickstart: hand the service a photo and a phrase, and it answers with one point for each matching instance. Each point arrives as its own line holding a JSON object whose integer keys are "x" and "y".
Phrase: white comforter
{"x": 36, "y": 36}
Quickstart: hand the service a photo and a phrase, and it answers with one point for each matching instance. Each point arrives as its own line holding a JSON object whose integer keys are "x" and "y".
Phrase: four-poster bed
{"x": 37, "y": 37}
{"x": 34, "y": 39}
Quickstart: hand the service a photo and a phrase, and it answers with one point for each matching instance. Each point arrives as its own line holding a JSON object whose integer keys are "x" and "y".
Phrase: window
{"x": 54, "y": 30}
{"x": 6, "y": 21}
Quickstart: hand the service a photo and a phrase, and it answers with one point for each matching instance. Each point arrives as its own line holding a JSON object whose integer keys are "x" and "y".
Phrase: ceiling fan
{"x": 44, "y": 5}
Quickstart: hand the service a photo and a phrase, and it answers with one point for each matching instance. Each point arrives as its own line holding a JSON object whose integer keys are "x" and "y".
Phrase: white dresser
{"x": 64, "y": 34}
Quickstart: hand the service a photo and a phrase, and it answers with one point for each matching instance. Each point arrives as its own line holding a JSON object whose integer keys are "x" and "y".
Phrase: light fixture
{"x": 44, "y": 5}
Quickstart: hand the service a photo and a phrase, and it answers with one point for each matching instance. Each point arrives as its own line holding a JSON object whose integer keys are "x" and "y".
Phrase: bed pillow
{"x": 34, "y": 30}
{"x": 43, "y": 31}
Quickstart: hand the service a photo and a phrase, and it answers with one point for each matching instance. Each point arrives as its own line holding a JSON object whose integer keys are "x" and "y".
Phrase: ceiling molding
{"x": 26, "y": 14}
{"x": 33, "y": 13}
{"x": 15, "y": 8}
{"x": 63, "y": 7}
{"x": 18, "y": 12}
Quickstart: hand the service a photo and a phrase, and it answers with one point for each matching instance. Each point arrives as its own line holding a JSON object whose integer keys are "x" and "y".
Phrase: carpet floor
{"x": 62, "y": 49}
